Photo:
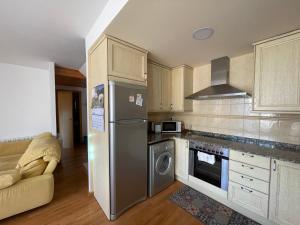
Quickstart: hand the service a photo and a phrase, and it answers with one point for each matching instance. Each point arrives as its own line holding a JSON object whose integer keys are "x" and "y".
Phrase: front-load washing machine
{"x": 161, "y": 162}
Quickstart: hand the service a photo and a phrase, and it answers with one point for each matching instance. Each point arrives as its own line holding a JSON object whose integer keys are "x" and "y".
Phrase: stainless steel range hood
{"x": 220, "y": 87}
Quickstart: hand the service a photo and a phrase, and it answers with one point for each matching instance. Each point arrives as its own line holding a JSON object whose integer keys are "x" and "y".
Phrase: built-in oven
{"x": 210, "y": 163}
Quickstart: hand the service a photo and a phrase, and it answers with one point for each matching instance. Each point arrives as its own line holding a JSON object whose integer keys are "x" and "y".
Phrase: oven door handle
{"x": 209, "y": 153}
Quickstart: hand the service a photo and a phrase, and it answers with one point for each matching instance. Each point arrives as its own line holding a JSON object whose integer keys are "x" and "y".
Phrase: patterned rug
{"x": 207, "y": 210}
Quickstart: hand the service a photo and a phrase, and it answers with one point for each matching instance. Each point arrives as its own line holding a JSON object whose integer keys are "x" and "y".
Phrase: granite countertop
{"x": 286, "y": 152}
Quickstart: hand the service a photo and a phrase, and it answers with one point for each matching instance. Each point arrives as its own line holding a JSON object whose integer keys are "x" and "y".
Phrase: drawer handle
{"x": 274, "y": 165}
{"x": 246, "y": 189}
{"x": 244, "y": 154}
{"x": 246, "y": 178}
{"x": 251, "y": 168}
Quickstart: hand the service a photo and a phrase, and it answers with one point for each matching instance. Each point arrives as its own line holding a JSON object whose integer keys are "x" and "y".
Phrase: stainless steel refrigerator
{"x": 128, "y": 146}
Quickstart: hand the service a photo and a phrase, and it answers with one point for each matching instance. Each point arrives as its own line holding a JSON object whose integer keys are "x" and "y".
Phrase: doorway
{"x": 69, "y": 117}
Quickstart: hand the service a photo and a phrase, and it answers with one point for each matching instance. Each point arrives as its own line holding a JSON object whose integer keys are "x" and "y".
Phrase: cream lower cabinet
{"x": 181, "y": 159}
{"x": 182, "y": 86}
{"x": 126, "y": 62}
{"x": 249, "y": 181}
{"x": 285, "y": 193}
{"x": 159, "y": 88}
{"x": 277, "y": 74}
{"x": 248, "y": 198}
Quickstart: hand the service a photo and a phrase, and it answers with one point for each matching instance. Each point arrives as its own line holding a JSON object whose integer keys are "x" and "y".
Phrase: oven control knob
{"x": 221, "y": 153}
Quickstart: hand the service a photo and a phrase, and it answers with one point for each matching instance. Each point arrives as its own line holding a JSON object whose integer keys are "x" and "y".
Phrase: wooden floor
{"x": 72, "y": 204}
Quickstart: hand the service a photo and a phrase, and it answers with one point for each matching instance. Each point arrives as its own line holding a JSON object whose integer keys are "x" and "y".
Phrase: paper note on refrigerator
{"x": 97, "y": 108}
{"x": 139, "y": 100}
{"x": 131, "y": 98}
{"x": 98, "y": 119}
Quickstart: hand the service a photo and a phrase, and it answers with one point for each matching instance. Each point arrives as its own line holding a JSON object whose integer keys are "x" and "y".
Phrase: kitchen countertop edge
{"x": 273, "y": 153}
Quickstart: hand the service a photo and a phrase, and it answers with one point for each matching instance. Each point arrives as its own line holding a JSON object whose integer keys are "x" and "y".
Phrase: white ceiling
{"x": 35, "y": 31}
{"x": 164, "y": 27}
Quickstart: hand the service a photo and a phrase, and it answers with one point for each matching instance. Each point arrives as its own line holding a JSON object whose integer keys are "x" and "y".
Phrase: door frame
{"x": 80, "y": 109}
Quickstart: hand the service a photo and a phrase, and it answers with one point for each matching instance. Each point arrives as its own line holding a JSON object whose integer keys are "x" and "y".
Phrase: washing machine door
{"x": 163, "y": 163}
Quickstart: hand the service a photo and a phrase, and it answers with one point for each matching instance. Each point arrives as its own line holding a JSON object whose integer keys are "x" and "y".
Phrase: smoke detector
{"x": 203, "y": 33}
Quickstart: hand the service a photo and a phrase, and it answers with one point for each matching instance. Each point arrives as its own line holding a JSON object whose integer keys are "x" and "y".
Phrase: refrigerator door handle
{"x": 134, "y": 121}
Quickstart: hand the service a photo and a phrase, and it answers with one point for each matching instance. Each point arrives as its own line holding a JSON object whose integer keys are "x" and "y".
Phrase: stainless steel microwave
{"x": 171, "y": 126}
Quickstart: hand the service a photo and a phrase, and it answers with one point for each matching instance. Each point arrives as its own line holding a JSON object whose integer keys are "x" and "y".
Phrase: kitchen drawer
{"x": 250, "y": 170}
{"x": 248, "y": 198}
{"x": 256, "y": 160}
{"x": 250, "y": 182}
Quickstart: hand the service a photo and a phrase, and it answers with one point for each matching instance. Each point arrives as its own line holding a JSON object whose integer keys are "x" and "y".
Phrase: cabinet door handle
{"x": 248, "y": 155}
{"x": 246, "y": 189}
{"x": 251, "y": 168}
{"x": 250, "y": 179}
{"x": 274, "y": 165}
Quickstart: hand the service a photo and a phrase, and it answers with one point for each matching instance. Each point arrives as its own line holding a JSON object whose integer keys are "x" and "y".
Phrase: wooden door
{"x": 166, "y": 89}
{"x": 65, "y": 116}
{"x": 277, "y": 75}
{"x": 154, "y": 88}
{"x": 126, "y": 62}
{"x": 285, "y": 193}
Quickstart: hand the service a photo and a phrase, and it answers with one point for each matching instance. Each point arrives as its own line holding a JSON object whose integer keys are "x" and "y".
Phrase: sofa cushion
{"x": 9, "y": 177}
{"x": 45, "y": 147}
{"x": 35, "y": 168}
{"x": 9, "y": 162}
{"x": 25, "y": 195}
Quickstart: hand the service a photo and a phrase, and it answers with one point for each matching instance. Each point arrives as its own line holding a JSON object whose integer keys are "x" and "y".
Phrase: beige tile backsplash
{"x": 234, "y": 117}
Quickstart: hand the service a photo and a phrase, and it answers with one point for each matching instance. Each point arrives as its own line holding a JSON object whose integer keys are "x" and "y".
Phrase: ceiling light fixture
{"x": 203, "y": 33}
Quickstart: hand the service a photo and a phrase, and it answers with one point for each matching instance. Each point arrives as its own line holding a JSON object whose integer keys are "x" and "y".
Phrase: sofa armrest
{"x": 51, "y": 167}
{"x": 13, "y": 147}
{"x": 26, "y": 194}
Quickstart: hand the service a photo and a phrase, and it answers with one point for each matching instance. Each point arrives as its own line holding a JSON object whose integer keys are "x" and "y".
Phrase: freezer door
{"x": 128, "y": 164}
{"x": 127, "y": 101}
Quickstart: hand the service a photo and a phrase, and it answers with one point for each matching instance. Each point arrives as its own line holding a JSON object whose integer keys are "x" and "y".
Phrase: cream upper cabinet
{"x": 126, "y": 61}
{"x": 181, "y": 159}
{"x": 159, "y": 88}
{"x": 285, "y": 193}
{"x": 166, "y": 89}
{"x": 182, "y": 86}
{"x": 277, "y": 74}
{"x": 154, "y": 88}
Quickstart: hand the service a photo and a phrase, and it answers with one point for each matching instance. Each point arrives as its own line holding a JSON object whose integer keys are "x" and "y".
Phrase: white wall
{"x": 111, "y": 9}
{"x": 27, "y": 98}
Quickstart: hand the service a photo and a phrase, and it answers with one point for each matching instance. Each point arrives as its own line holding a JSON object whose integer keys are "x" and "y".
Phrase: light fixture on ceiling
{"x": 203, "y": 33}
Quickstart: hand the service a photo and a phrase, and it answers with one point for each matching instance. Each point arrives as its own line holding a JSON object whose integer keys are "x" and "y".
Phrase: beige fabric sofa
{"x": 32, "y": 192}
